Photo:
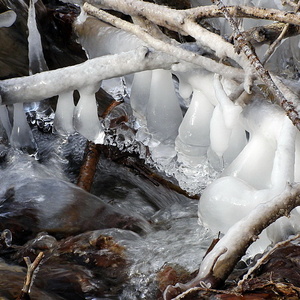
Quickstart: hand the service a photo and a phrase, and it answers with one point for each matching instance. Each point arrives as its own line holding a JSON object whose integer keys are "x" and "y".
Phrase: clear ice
{"x": 21, "y": 135}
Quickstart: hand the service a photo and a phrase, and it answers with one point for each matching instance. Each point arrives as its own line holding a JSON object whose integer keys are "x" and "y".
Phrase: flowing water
{"x": 36, "y": 195}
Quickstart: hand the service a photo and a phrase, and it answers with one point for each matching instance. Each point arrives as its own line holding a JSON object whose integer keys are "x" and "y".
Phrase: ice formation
{"x": 37, "y": 61}
{"x": 252, "y": 146}
{"x": 21, "y": 136}
{"x": 259, "y": 173}
{"x": 63, "y": 121}
{"x": 86, "y": 120}
{"x": 7, "y": 18}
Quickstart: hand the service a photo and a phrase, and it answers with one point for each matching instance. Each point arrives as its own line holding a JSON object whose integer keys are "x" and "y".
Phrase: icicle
{"x": 4, "y": 118}
{"x": 185, "y": 89}
{"x": 193, "y": 139}
{"x": 7, "y": 18}
{"x": 284, "y": 162}
{"x": 231, "y": 112}
{"x": 139, "y": 96}
{"x": 224, "y": 120}
{"x": 21, "y": 135}
{"x": 163, "y": 111}
{"x": 63, "y": 121}
{"x": 37, "y": 61}
{"x": 86, "y": 120}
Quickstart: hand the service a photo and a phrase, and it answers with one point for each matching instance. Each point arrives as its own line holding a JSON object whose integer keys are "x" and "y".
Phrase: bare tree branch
{"x": 178, "y": 20}
{"x": 240, "y": 11}
{"x": 179, "y": 53}
{"x": 47, "y": 84}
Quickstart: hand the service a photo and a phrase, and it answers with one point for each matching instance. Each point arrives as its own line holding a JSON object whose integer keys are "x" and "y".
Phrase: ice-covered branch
{"x": 47, "y": 84}
{"x": 233, "y": 245}
{"x": 177, "y": 20}
{"x": 179, "y": 53}
{"x": 240, "y": 11}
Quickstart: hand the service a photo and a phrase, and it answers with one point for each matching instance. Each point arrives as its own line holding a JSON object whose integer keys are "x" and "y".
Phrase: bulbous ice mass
{"x": 259, "y": 173}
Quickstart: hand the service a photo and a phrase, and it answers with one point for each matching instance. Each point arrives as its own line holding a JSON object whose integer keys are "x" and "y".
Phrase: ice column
{"x": 86, "y": 120}
{"x": 21, "y": 135}
{"x": 226, "y": 133}
{"x": 139, "y": 95}
{"x": 193, "y": 139}
{"x": 63, "y": 121}
{"x": 4, "y": 118}
{"x": 163, "y": 114}
{"x": 37, "y": 61}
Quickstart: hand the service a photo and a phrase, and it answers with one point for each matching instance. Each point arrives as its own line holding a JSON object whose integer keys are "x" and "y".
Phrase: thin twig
{"x": 275, "y": 44}
{"x": 91, "y": 157}
{"x": 31, "y": 271}
{"x": 242, "y": 11}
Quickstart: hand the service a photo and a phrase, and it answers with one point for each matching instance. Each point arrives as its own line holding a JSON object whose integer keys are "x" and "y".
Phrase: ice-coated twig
{"x": 289, "y": 2}
{"x": 240, "y": 11}
{"x": 31, "y": 271}
{"x": 178, "y": 20}
{"x": 243, "y": 45}
{"x": 47, "y": 84}
{"x": 160, "y": 45}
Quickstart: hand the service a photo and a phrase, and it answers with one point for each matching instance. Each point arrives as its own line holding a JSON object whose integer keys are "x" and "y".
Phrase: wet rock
{"x": 11, "y": 283}
{"x": 59, "y": 208}
{"x": 90, "y": 264}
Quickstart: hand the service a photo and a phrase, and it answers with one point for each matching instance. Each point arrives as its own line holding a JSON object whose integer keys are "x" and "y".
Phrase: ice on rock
{"x": 86, "y": 120}
{"x": 7, "y": 18}
{"x": 139, "y": 96}
{"x": 21, "y": 136}
{"x": 193, "y": 139}
{"x": 63, "y": 120}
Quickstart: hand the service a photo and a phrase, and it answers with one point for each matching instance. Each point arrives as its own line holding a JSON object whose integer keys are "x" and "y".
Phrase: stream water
{"x": 153, "y": 225}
